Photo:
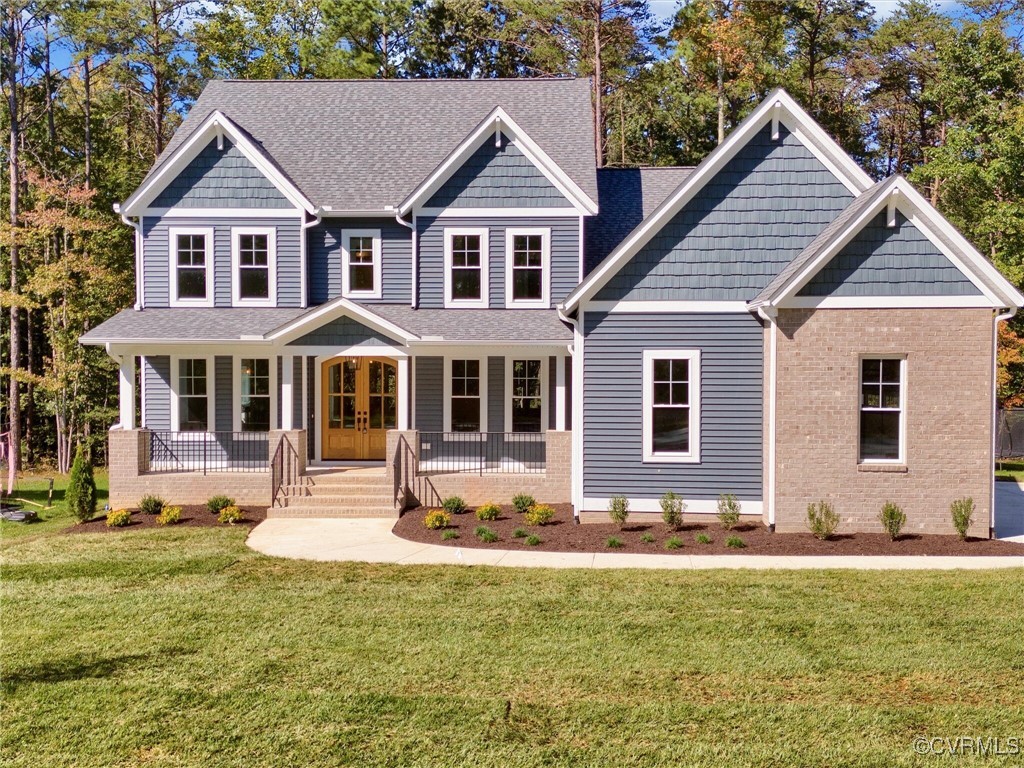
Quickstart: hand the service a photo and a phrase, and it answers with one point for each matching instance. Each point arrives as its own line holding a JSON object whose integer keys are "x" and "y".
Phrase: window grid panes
{"x": 465, "y": 396}
{"x": 527, "y": 267}
{"x": 253, "y": 267}
{"x": 191, "y": 266}
{"x": 255, "y": 385}
{"x": 193, "y": 412}
{"x": 881, "y": 409}
{"x": 527, "y": 398}
{"x": 383, "y": 395}
{"x": 466, "y": 267}
{"x": 360, "y": 264}
{"x": 670, "y": 406}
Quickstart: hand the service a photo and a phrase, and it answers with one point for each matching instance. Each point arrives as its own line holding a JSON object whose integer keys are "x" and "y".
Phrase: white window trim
{"x": 211, "y": 396}
{"x": 901, "y": 460}
{"x": 446, "y": 398}
{"x": 693, "y": 455}
{"x": 545, "y": 285}
{"x": 172, "y": 274}
{"x": 236, "y": 276}
{"x": 544, "y": 404}
{"x": 236, "y": 389}
{"x": 483, "y": 301}
{"x": 346, "y": 291}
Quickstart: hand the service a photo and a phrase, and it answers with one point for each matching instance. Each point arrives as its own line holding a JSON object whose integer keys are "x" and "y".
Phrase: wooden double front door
{"x": 359, "y": 405}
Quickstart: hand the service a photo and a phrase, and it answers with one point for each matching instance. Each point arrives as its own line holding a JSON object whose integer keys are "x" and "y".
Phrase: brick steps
{"x": 359, "y": 493}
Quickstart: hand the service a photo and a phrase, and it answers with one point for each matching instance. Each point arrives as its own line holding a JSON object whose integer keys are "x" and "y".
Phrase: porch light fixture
{"x": 355, "y": 361}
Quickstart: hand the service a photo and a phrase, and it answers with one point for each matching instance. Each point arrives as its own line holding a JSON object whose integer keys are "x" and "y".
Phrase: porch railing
{"x": 284, "y": 469}
{"x": 507, "y": 453}
{"x": 204, "y": 452}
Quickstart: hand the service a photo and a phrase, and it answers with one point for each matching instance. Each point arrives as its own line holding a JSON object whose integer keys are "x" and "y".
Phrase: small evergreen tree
{"x": 80, "y": 496}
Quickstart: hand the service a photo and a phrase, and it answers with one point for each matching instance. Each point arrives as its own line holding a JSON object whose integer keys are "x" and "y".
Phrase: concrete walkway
{"x": 1010, "y": 511}
{"x": 371, "y": 541}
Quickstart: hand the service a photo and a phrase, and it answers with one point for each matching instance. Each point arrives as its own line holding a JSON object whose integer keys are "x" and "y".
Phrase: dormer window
{"x": 361, "y": 263}
{"x": 466, "y": 268}
{"x": 254, "y": 259}
{"x": 191, "y": 267}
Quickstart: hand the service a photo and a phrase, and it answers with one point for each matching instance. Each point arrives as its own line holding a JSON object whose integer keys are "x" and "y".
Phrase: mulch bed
{"x": 563, "y": 535}
{"x": 193, "y": 516}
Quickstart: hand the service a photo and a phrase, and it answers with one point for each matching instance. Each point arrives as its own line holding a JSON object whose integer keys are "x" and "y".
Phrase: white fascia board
{"x": 332, "y": 310}
{"x": 217, "y": 122}
{"x": 500, "y": 120}
{"x": 792, "y": 116}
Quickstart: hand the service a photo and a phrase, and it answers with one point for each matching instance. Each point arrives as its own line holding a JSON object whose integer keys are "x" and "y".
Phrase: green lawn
{"x": 183, "y": 648}
{"x": 1010, "y": 469}
{"x": 36, "y": 488}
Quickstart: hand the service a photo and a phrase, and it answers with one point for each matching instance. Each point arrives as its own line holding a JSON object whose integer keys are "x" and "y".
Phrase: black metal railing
{"x": 284, "y": 469}
{"x": 205, "y": 451}
{"x": 507, "y": 453}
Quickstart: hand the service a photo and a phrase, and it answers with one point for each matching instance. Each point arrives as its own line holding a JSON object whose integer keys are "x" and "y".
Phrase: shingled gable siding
{"x": 731, "y": 405}
{"x": 324, "y": 241}
{"x": 221, "y": 179}
{"x": 156, "y": 375}
{"x": 890, "y": 261}
{"x": 429, "y": 394}
{"x": 565, "y": 254}
{"x": 741, "y": 228}
{"x": 156, "y": 257}
{"x": 343, "y": 332}
{"x": 498, "y": 177}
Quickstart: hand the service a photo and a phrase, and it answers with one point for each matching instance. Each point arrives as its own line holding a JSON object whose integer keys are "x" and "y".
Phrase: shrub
{"x": 520, "y": 533}
{"x": 618, "y": 509}
{"x": 647, "y": 538}
{"x": 169, "y": 516}
{"x": 822, "y": 519}
{"x": 216, "y": 503}
{"x": 735, "y": 542}
{"x": 613, "y": 543}
{"x": 962, "y": 512}
{"x": 539, "y": 514}
{"x": 674, "y": 543}
{"x": 488, "y": 512}
{"x": 151, "y": 505}
{"x": 80, "y": 496}
{"x": 672, "y": 510}
{"x": 484, "y": 533}
{"x": 702, "y": 538}
{"x": 728, "y": 511}
{"x": 230, "y": 515}
{"x": 454, "y": 505}
{"x": 521, "y": 502}
{"x": 532, "y": 540}
{"x": 118, "y": 518}
{"x": 437, "y": 519}
{"x": 449, "y": 534}
{"x": 892, "y": 519}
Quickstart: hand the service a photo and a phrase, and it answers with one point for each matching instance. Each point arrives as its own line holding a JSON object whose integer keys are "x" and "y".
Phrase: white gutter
{"x": 318, "y": 216}
{"x": 137, "y": 226}
{"x": 415, "y": 259}
{"x": 770, "y": 315}
{"x": 995, "y": 427}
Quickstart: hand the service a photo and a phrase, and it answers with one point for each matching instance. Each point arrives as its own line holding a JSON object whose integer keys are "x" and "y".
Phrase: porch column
{"x": 287, "y": 391}
{"x": 403, "y": 393}
{"x": 560, "y": 394}
{"x": 127, "y": 398}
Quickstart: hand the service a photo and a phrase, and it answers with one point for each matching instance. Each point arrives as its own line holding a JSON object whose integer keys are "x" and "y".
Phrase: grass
{"x": 182, "y": 647}
{"x": 35, "y": 488}
{"x": 1010, "y": 470}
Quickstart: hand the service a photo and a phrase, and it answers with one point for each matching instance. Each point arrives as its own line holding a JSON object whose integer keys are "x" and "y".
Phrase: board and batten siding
{"x": 429, "y": 394}
{"x": 565, "y": 254}
{"x": 324, "y": 248}
{"x": 731, "y": 405}
{"x": 156, "y": 388}
{"x": 156, "y": 257}
{"x": 889, "y": 261}
{"x": 747, "y": 223}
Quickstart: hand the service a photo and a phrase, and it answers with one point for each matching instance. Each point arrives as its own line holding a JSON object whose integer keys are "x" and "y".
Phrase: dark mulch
{"x": 194, "y": 516}
{"x": 563, "y": 535}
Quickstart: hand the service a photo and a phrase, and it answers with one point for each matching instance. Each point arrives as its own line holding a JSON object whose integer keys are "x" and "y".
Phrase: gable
{"x": 764, "y": 206}
{"x": 222, "y": 178}
{"x": 889, "y": 261}
{"x": 497, "y": 177}
{"x": 342, "y": 331}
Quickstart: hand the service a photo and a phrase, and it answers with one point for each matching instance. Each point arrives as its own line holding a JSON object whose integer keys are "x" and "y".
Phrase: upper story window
{"x": 191, "y": 267}
{"x": 361, "y": 263}
{"x": 527, "y": 268}
{"x": 465, "y": 267}
{"x": 671, "y": 406}
{"x": 254, "y": 266}
{"x": 193, "y": 398}
{"x": 882, "y": 410}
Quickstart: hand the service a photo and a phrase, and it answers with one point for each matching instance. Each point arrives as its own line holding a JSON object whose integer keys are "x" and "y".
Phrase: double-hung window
{"x": 191, "y": 267}
{"x": 361, "y": 263}
{"x": 465, "y": 399}
{"x": 882, "y": 410}
{"x": 527, "y": 265}
{"x": 466, "y": 267}
{"x": 671, "y": 405}
{"x": 254, "y": 386}
{"x": 193, "y": 395}
{"x": 526, "y": 411}
{"x": 254, "y": 261}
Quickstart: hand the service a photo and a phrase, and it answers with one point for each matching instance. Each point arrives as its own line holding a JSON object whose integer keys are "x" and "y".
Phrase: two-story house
{"x": 432, "y": 281}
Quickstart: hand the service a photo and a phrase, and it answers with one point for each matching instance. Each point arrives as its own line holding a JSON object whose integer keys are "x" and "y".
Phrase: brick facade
{"x": 948, "y": 417}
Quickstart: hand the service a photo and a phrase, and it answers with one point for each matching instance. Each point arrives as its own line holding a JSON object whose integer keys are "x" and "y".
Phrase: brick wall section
{"x": 949, "y": 418}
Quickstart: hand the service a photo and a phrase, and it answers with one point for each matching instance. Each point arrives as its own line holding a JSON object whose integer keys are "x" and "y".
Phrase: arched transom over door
{"x": 359, "y": 405}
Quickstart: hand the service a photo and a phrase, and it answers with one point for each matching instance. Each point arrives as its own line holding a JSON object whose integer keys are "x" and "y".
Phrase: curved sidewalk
{"x": 371, "y": 541}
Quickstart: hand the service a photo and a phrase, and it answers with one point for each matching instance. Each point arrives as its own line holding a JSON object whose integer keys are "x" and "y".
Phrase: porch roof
{"x": 476, "y": 325}
{"x": 167, "y": 325}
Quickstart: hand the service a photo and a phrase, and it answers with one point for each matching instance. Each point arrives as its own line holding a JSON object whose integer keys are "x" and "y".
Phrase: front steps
{"x": 350, "y": 492}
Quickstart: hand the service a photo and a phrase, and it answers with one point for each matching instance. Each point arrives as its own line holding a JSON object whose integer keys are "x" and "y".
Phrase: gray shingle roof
{"x": 189, "y": 324}
{"x": 501, "y": 325}
{"x": 366, "y": 144}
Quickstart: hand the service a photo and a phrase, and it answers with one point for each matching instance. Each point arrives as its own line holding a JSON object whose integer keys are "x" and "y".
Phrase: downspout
{"x": 770, "y": 315}
{"x": 995, "y": 427}
{"x": 576, "y": 454}
{"x": 415, "y": 258}
{"x": 318, "y": 216}
{"x": 137, "y": 226}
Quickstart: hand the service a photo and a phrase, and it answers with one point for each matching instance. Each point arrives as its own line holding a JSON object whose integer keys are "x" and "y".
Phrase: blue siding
{"x": 224, "y": 402}
{"x": 297, "y": 392}
{"x": 741, "y": 229}
{"x": 324, "y": 243}
{"x": 495, "y": 394}
{"x": 156, "y": 257}
{"x": 345, "y": 332}
{"x": 890, "y": 261}
{"x": 565, "y": 255}
{"x": 498, "y": 177}
{"x": 221, "y": 179}
{"x": 731, "y": 405}
{"x": 429, "y": 393}
{"x": 156, "y": 375}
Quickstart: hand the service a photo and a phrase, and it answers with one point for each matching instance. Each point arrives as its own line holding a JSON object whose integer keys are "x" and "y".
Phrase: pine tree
{"x": 80, "y": 495}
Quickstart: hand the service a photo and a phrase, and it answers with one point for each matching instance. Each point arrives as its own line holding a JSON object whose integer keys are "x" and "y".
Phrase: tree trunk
{"x": 14, "y": 175}
{"x": 598, "y": 116}
{"x": 720, "y": 67}
{"x": 51, "y": 128}
{"x": 87, "y": 86}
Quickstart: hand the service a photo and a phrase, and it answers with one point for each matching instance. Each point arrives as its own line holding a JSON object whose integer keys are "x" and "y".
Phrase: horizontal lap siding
{"x": 224, "y": 403}
{"x": 297, "y": 391}
{"x": 731, "y": 405}
{"x": 496, "y": 394}
{"x": 429, "y": 394}
{"x": 156, "y": 374}
{"x": 324, "y": 242}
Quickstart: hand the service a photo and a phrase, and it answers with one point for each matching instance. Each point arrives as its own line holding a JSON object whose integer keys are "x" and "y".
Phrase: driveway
{"x": 1010, "y": 510}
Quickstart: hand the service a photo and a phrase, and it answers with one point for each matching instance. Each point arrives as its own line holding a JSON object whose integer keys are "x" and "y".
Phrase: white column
{"x": 127, "y": 380}
{"x": 403, "y": 393}
{"x": 560, "y": 394}
{"x": 287, "y": 391}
